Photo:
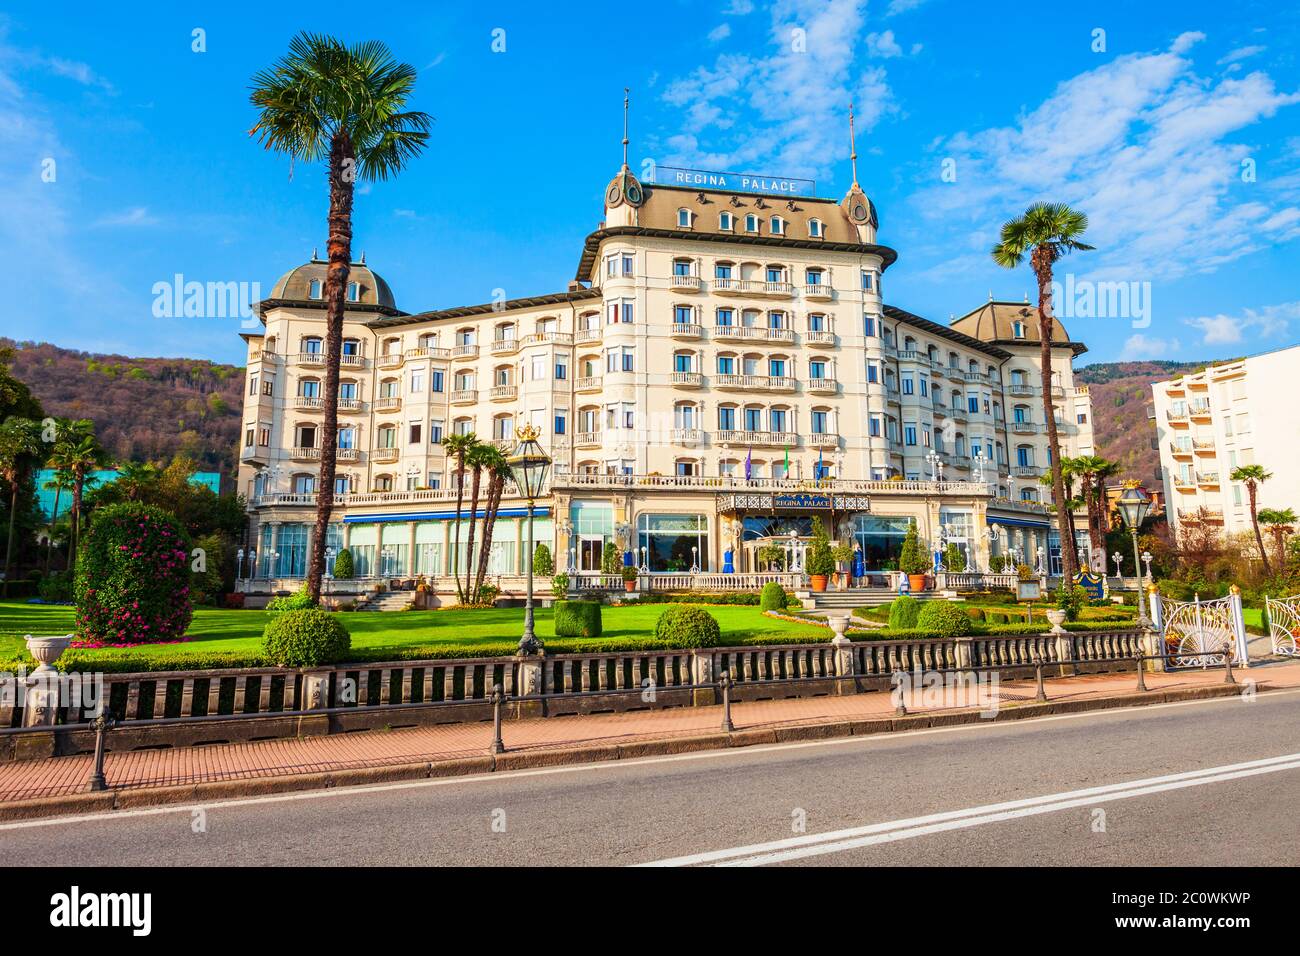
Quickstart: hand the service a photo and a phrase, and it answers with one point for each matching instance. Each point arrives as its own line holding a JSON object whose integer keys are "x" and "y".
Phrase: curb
{"x": 200, "y": 793}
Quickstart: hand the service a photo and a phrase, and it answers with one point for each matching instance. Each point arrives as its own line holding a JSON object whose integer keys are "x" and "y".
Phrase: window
{"x": 386, "y": 437}
{"x": 817, "y": 369}
{"x": 252, "y": 385}
{"x": 925, "y": 386}
{"x": 778, "y": 226}
{"x": 539, "y": 367}
{"x": 311, "y": 346}
{"x": 354, "y": 292}
{"x": 621, "y": 359}
{"x": 436, "y": 383}
{"x": 620, "y": 311}
{"x": 753, "y": 419}
{"x": 304, "y": 484}
{"x": 868, "y": 281}
{"x": 873, "y": 372}
{"x": 681, "y": 267}
{"x": 684, "y": 218}
{"x": 817, "y": 322}
{"x": 869, "y": 327}
{"x": 727, "y": 418}
{"x": 414, "y": 434}
{"x": 682, "y": 362}
{"x": 726, "y": 365}
{"x": 778, "y": 418}
{"x": 268, "y": 385}
{"x": 417, "y": 381}
{"x": 314, "y": 289}
{"x": 909, "y": 386}
{"x": 1024, "y": 456}
{"x": 561, "y": 423}
{"x": 674, "y": 542}
{"x": 751, "y": 223}
{"x": 1018, "y": 329}
{"x": 347, "y": 437}
{"x": 820, "y": 421}
{"x": 815, "y": 231}
{"x": 725, "y": 318}
{"x": 305, "y": 436}
{"x": 309, "y": 388}
{"x": 973, "y": 404}
{"x": 342, "y": 485}
{"x": 683, "y": 315}
{"x": 1081, "y": 418}
{"x": 435, "y": 431}
{"x": 463, "y": 426}
{"x": 909, "y": 433}
{"x": 722, "y": 270}
{"x": 561, "y": 369}
{"x": 726, "y": 221}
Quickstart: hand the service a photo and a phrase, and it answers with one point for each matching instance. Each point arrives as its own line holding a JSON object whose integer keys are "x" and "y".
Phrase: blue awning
{"x": 441, "y": 515}
{"x": 1016, "y": 522}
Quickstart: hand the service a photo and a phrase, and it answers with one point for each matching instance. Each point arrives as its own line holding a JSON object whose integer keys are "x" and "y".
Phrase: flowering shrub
{"x": 133, "y": 578}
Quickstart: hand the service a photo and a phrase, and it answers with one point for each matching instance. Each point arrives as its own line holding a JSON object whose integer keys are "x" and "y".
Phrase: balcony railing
{"x": 1177, "y": 417}
{"x": 467, "y": 351}
{"x": 1026, "y": 471}
{"x": 1207, "y": 479}
{"x": 1180, "y": 451}
{"x": 823, "y": 440}
{"x": 548, "y": 338}
{"x": 687, "y": 331}
{"x": 588, "y": 336}
{"x": 505, "y": 346}
{"x": 305, "y": 454}
{"x": 757, "y": 383}
{"x": 390, "y": 360}
{"x": 586, "y": 440}
{"x": 503, "y": 393}
{"x": 587, "y": 383}
{"x": 818, "y": 292}
{"x": 687, "y": 283}
{"x": 822, "y": 386}
{"x": 463, "y": 396}
{"x": 687, "y": 436}
{"x": 384, "y": 456}
{"x": 310, "y": 358}
{"x": 1026, "y": 428}
{"x": 820, "y": 338}
{"x": 1203, "y": 445}
{"x": 427, "y": 352}
{"x": 686, "y": 379}
{"x": 764, "y": 439}
{"x": 388, "y": 403}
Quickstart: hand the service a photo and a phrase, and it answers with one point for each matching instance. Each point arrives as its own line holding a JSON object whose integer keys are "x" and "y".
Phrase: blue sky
{"x": 1177, "y": 130}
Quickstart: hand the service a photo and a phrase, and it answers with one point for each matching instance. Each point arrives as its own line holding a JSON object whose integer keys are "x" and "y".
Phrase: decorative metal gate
{"x": 1284, "y": 624}
{"x": 1197, "y": 632}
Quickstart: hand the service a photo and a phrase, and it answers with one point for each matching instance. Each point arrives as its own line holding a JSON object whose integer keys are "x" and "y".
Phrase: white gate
{"x": 1197, "y": 632}
{"x": 1284, "y": 624}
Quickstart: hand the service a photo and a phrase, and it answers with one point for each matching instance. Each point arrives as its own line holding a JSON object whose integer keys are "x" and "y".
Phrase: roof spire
{"x": 625, "y": 92}
{"x": 853, "y": 147}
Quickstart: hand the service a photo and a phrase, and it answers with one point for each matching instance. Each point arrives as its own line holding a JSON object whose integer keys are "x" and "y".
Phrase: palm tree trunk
{"x": 473, "y": 517}
{"x": 460, "y": 504}
{"x": 1042, "y": 264}
{"x": 341, "y": 175}
{"x": 495, "y": 486}
{"x": 78, "y": 484}
{"x": 9, "y": 544}
{"x": 49, "y": 539}
{"x": 1252, "y": 490}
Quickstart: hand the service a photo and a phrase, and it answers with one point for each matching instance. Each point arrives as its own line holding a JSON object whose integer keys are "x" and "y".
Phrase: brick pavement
{"x": 142, "y": 769}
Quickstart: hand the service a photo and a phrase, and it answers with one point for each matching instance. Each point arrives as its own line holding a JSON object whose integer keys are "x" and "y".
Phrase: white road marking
{"x": 506, "y": 775}
{"x": 837, "y": 841}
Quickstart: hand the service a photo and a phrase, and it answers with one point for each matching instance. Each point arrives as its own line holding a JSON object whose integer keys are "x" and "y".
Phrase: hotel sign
{"x": 734, "y": 182}
{"x": 799, "y": 501}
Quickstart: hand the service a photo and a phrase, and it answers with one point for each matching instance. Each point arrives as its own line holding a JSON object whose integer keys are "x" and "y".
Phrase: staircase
{"x": 853, "y": 597}
{"x": 388, "y": 601}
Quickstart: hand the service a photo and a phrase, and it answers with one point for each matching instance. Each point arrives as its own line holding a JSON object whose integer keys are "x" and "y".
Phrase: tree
{"x": 77, "y": 452}
{"x": 1253, "y": 476}
{"x": 1280, "y": 523}
{"x": 498, "y": 470}
{"x": 1093, "y": 470}
{"x": 1046, "y": 232}
{"x": 345, "y": 105}
{"x": 58, "y": 484}
{"x": 20, "y": 446}
{"x": 134, "y": 477}
{"x": 477, "y": 458}
{"x": 458, "y": 446}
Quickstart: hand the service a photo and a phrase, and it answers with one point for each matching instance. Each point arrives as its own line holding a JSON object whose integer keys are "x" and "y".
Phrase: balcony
{"x": 548, "y": 338}
{"x": 687, "y": 436}
{"x": 780, "y": 335}
{"x": 1026, "y": 471}
{"x": 823, "y": 440}
{"x": 686, "y": 379}
{"x": 1025, "y": 428}
{"x": 1184, "y": 482}
{"x": 754, "y": 383}
{"x": 390, "y": 360}
{"x": 778, "y": 290}
{"x": 687, "y": 331}
{"x": 505, "y": 346}
{"x": 819, "y": 339}
{"x": 1180, "y": 417}
{"x": 427, "y": 353}
{"x": 385, "y": 456}
{"x": 463, "y": 396}
{"x": 304, "y": 454}
{"x": 588, "y": 336}
{"x": 314, "y": 359}
{"x": 761, "y": 439}
{"x": 1207, "y": 479}
{"x": 468, "y": 350}
{"x": 912, "y": 355}
{"x": 1199, "y": 411}
{"x": 1203, "y": 446}
{"x": 351, "y": 406}
{"x": 937, "y": 369}
{"x": 352, "y": 361}
{"x": 1180, "y": 451}
{"x": 686, "y": 284}
{"x": 587, "y": 383}
{"x": 818, "y": 292}
{"x": 388, "y": 403}
{"x": 503, "y": 393}
{"x": 347, "y": 454}
{"x": 308, "y": 403}
{"x": 958, "y": 415}
{"x": 586, "y": 440}
{"x": 1020, "y": 390}
{"x": 822, "y": 386}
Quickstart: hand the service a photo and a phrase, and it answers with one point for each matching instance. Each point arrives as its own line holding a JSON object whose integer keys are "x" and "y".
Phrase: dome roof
{"x": 296, "y": 283}
{"x": 996, "y": 322}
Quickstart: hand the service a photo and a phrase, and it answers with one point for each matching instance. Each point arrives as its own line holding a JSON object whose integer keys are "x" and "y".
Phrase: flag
{"x": 749, "y": 464}
{"x": 787, "y": 462}
{"x": 821, "y": 469}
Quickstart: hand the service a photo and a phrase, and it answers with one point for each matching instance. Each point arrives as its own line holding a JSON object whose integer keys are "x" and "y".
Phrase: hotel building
{"x": 721, "y": 368}
{"x": 1211, "y": 422}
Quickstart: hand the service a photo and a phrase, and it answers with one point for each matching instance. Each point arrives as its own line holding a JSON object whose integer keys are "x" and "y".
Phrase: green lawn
{"x": 238, "y": 634}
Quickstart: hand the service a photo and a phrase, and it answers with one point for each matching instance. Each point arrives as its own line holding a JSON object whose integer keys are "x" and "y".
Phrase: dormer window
{"x": 315, "y": 290}
{"x": 726, "y": 221}
{"x": 1018, "y": 329}
{"x": 815, "y": 228}
{"x": 684, "y": 218}
{"x": 751, "y": 223}
{"x": 778, "y": 226}
{"x": 354, "y": 291}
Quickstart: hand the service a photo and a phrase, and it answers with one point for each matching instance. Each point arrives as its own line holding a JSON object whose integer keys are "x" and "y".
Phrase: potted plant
{"x": 1028, "y": 587}
{"x": 913, "y": 560}
{"x": 771, "y": 555}
{"x": 629, "y": 578}
{"x": 843, "y": 555}
{"x": 820, "y": 563}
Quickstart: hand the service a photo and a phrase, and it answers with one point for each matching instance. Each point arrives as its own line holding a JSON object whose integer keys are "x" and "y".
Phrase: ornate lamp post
{"x": 239, "y": 564}
{"x": 933, "y": 460}
{"x": 529, "y": 465}
{"x": 329, "y": 570}
{"x": 1134, "y": 503}
{"x": 1119, "y": 561}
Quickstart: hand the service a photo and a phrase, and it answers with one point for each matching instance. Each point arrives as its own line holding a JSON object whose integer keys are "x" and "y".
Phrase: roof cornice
{"x": 554, "y": 298}
{"x": 934, "y": 328}
{"x": 260, "y": 308}
{"x": 592, "y": 244}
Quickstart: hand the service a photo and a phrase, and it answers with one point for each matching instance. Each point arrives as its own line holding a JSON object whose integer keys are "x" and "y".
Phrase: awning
{"x": 442, "y": 515}
{"x": 1016, "y": 522}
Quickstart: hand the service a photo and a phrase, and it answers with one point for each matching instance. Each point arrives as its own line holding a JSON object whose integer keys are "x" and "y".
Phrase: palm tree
{"x": 1280, "y": 523}
{"x": 476, "y": 459}
{"x": 1046, "y": 232}
{"x": 498, "y": 469}
{"x": 20, "y": 443}
{"x": 134, "y": 476}
{"x": 1093, "y": 470}
{"x": 459, "y": 446}
{"x": 57, "y": 484}
{"x": 1254, "y": 476}
{"x": 346, "y": 106}
{"x": 77, "y": 452}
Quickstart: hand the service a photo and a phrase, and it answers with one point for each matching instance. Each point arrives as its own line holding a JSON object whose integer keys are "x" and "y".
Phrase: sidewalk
{"x": 464, "y": 748}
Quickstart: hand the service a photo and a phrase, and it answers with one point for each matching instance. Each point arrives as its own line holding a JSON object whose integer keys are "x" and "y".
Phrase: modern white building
{"x": 1229, "y": 414}
{"x": 721, "y": 368}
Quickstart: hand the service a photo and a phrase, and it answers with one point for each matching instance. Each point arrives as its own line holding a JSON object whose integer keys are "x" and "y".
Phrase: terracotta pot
{"x": 629, "y": 586}
{"x": 818, "y": 581}
{"x": 916, "y": 582}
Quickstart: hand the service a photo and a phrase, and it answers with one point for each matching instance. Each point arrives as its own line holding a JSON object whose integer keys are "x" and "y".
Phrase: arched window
{"x": 726, "y": 221}
{"x": 751, "y": 223}
{"x": 383, "y": 482}
{"x": 315, "y": 290}
{"x": 502, "y": 375}
{"x": 1018, "y": 329}
{"x": 815, "y": 229}
{"x": 386, "y": 436}
{"x": 684, "y": 218}
{"x": 504, "y": 332}
{"x": 777, "y": 226}
{"x": 311, "y": 345}
{"x": 354, "y": 291}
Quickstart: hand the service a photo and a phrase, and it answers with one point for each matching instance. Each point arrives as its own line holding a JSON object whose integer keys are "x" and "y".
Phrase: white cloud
{"x": 883, "y": 45}
{"x": 1241, "y": 53}
{"x": 1185, "y": 41}
{"x": 902, "y": 6}
{"x": 739, "y": 8}
{"x": 720, "y": 33}
{"x": 1139, "y": 346}
{"x": 794, "y": 100}
{"x": 1269, "y": 321}
{"x": 1143, "y": 145}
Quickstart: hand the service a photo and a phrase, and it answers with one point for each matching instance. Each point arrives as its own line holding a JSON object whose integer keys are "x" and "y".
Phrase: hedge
{"x": 772, "y": 597}
{"x": 577, "y": 618}
{"x": 944, "y": 617}
{"x": 903, "y": 611}
{"x": 687, "y": 625}
{"x": 305, "y": 638}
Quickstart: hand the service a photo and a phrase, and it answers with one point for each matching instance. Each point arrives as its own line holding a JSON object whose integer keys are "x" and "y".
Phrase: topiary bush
{"x": 577, "y": 619}
{"x": 543, "y": 563}
{"x": 943, "y": 618}
{"x": 610, "y": 559}
{"x": 903, "y": 611}
{"x": 300, "y": 600}
{"x": 133, "y": 577}
{"x": 772, "y": 597}
{"x": 685, "y": 625}
{"x": 305, "y": 638}
{"x": 344, "y": 567}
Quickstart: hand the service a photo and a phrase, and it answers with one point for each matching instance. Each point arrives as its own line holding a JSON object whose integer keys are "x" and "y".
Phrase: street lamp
{"x": 529, "y": 465}
{"x": 1134, "y": 503}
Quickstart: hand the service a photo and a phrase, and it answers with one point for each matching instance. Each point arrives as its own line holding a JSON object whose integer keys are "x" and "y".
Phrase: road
{"x": 925, "y": 797}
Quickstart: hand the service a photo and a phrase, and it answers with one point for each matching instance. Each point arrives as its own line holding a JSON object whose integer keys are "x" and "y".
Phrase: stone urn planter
{"x": 916, "y": 582}
{"x": 818, "y": 581}
{"x": 1057, "y": 617}
{"x": 47, "y": 650}
{"x": 839, "y": 624}
{"x": 41, "y": 707}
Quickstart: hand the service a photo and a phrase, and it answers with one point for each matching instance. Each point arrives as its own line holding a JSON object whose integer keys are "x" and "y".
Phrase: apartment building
{"x": 721, "y": 369}
{"x": 1210, "y": 422}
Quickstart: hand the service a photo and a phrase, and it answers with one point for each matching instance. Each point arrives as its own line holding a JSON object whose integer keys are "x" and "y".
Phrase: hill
{"x": 144, "y": 409}
{"x": 1121, "y": 395}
